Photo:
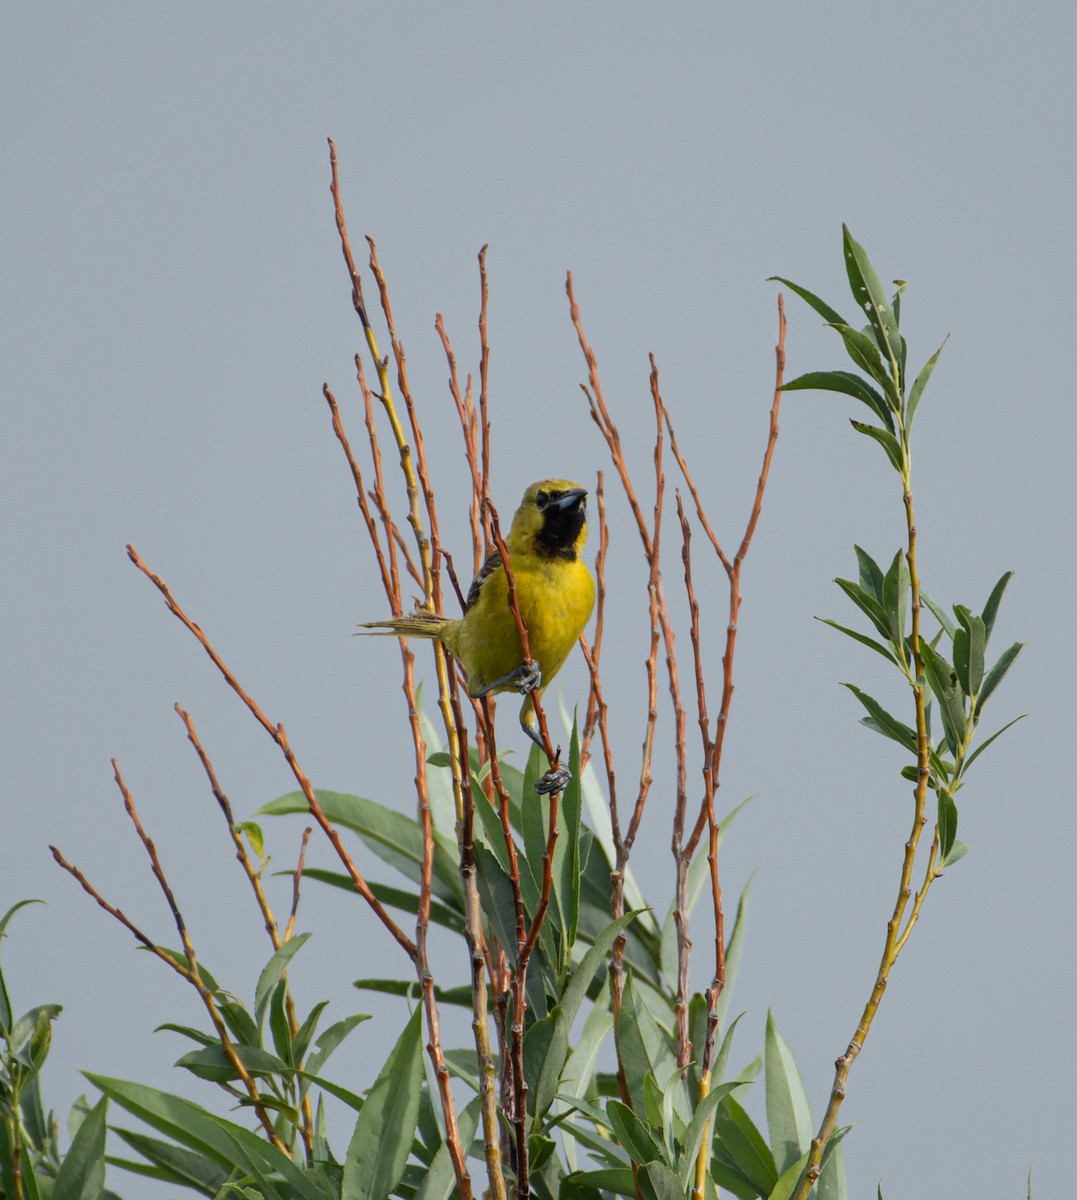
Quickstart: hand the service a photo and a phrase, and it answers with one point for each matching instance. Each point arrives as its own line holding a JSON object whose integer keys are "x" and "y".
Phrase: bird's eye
{"x": 541, "y": 499}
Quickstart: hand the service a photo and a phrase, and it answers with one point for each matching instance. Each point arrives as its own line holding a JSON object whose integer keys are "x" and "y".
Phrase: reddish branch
{"x": 185, "y": 965}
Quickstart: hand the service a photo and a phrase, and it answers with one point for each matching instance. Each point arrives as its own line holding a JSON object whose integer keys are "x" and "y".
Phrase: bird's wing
{"x": 493, "y": 561}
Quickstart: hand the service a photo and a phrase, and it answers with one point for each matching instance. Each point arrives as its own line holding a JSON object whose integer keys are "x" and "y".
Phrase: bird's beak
{"x": 571, "y": 499}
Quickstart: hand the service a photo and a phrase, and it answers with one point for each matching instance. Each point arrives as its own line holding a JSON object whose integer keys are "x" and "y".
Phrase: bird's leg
{"x": 525, "y": 678}
{"x": 556, "y": 779}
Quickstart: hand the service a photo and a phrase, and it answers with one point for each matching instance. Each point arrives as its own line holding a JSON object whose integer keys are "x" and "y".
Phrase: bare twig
{"x": 188, "y": 965}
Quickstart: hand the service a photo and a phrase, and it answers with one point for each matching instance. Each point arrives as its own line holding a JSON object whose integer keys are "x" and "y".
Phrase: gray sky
{"x": 174, "y": 298}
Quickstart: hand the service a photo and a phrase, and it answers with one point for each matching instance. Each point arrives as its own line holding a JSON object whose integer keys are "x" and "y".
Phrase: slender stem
{"x": 895, "y": 938}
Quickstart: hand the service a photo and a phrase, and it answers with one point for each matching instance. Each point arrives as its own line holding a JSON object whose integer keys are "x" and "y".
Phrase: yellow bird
{"x": 554, "y": 589}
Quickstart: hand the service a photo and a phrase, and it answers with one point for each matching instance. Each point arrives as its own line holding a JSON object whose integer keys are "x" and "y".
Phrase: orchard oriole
{"x": 554, "y": 590}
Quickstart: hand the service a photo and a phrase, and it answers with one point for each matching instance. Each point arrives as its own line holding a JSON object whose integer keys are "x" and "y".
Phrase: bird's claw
{"x": 555, "y": 780}
{"x": 528, "y": 678}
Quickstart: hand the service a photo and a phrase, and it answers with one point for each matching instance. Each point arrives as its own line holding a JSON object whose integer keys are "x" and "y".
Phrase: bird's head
{"x": 551, "y": 520}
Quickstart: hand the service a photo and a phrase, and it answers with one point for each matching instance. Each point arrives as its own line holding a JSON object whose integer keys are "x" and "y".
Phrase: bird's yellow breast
{"x": 556, "y": 597}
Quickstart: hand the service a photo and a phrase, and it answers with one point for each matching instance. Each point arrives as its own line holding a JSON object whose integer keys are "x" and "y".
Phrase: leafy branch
{"x": 959, "y": 682}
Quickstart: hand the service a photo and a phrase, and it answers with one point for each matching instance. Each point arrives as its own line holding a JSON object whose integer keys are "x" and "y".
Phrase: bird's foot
{"x": 525, "y": 678}
{"x": 528, "y": 677}
{"x": 555, "y": 780}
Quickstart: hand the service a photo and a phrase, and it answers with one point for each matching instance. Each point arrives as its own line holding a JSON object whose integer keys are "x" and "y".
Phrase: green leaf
{"x": 788, "y": 1113}
{"x": 871, "y": 574}
{"x": 176, "y": 1118}
{"x": 196, "y": 1035}
{"x": 821, "y": 307}
{"x": 213, "y": 1064}
{"x": 983, "y": 745}
{"x": 789, "y": 1178}
{"x": 732, "y": 960}
{"x": 395, "y": 838}
{"x": 947, "y": 825}
{"x": 264, "y": 1160}
{"x": 861, "y": 348}
{"x": 305, "y": 1033}
{"x": 917, "y": 390}
{"x": 11, "y": 912}
{"x": 697, "y": 1128}
{"x": 943, "y": 681}
{"x": 272, "y": 972}
{"x": 895, "y": 597}
{"x": 541, "y": 1094}
{"x": 82, "y": 1173}
{"x": 440, "y": 1180}
{"x": 659, "y": 1183}
{"x": 240, "y": 1023}
{"x": 970, "y": 668}
{"x": 534, "y": 815}
{"x": 847, "y": 384}
{"x": 253, "y": 833}
{"x": 179, "y": 957}
{"x": 331, "y": 1039}
{"x": 993, "y": 602}
{"x": 280, "y": 1026}
{"x": 460, "y": 996}
{"x": 381, "y": 1143}
{"x": 940, "y": 614}
{"x": 867, "y": 604}
{"x": 995, "y": 676}
{"x": 957, "y": 852}
{"x": 870, "y": 296}
{"x": 883, "y": 722}
{"x": 632, "y": 1133}
{"x": 618, "y": 1180}
{"x": 741, "y": 1146}
{"x": 642, "y": 1043}
{"x": 885, "y": 439}
{"x": 498, "y": 902}
{"x": 392, "y": 897}
{"x": 832, "y": 1183}
{"x": 180, "y": 1166}
{"x": 6, "y": 1015}
{"x": 567, "y": 851}
{"x": 862, "y": 638}
{"x": 31, "y": 1037}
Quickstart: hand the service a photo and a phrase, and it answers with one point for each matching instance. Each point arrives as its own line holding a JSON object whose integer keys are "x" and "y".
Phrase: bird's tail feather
{"x": 421, "y": 623}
